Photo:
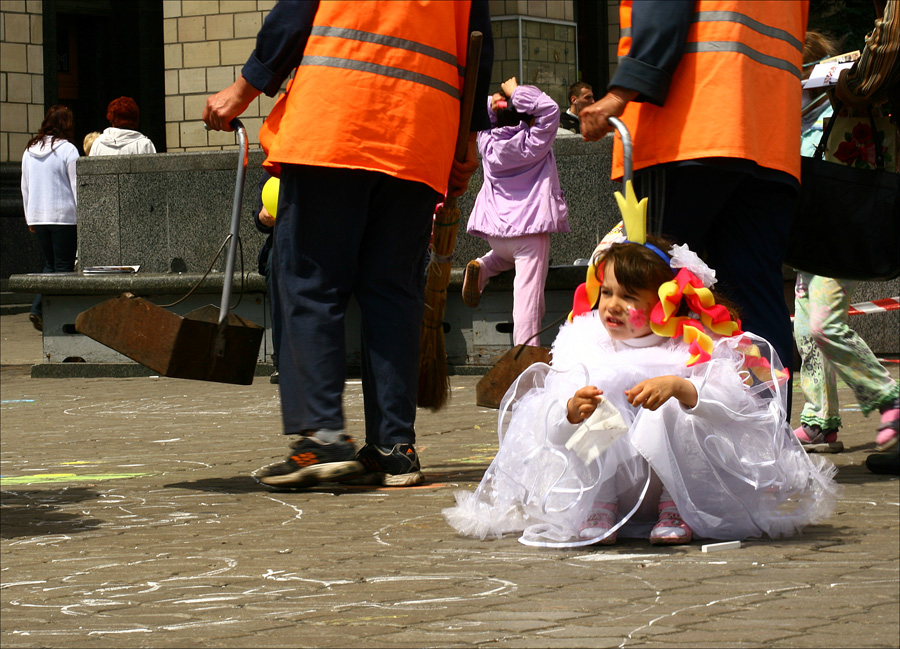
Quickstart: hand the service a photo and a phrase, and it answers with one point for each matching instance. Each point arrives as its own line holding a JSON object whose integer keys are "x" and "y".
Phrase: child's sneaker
{"x": 889, "y": 430}
{"x": 313, "y": 461}
{"x": 815, "y": 440}
{"x": 471, "y": 294}
{"x": 670, "y": 529}
{"x": 390, "y": 467}
{"x": 601, "y": 520}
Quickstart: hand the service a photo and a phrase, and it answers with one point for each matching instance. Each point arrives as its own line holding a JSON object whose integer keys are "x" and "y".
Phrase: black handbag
{"x": 847, "y": 221}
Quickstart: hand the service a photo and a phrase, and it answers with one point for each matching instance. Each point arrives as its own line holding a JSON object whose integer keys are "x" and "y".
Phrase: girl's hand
{"x": 509, "y": 87}
{"x": 266, "y": 219}
{"x": 653, "y": 393}
{"x": 583, "y": 404}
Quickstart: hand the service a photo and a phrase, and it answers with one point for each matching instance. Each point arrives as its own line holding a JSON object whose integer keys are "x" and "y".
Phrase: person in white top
{"x": 122, "y": 138}
{"x": 49, "y": 195}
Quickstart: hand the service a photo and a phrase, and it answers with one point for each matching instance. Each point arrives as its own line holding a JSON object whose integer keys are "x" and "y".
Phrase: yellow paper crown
{"x": 634, "y": 214}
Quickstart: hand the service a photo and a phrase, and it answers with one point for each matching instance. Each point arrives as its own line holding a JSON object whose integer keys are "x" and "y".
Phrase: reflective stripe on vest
{"x": 378, "y": 88}
{"x": 735, "y": 92}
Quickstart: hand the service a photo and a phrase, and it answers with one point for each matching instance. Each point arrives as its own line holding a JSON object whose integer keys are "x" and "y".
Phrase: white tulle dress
{"x": 731, "y": 463}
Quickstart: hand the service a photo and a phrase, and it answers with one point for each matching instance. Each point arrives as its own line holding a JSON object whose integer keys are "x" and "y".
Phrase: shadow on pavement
{"x": 35, "y": 512}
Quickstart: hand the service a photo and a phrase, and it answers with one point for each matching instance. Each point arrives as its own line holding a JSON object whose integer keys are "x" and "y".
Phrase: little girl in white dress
{"x": 658, "y": 418}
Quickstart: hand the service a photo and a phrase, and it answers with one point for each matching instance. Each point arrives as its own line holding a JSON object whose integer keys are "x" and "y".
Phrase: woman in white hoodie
{"x": 122, "y": 138}
{"x": 49, "y": 195}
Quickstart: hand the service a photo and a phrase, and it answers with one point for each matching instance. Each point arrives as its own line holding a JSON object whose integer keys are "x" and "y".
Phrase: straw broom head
{"x": 434, "y": 382}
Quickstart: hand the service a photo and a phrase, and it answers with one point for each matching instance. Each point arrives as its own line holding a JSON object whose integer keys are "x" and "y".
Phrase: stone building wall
{"x": 21, "y": 75}
{"x": 207, "y": 43}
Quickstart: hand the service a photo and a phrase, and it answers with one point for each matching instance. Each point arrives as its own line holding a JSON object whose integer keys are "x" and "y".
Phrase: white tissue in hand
{"x": 597, "y": 432}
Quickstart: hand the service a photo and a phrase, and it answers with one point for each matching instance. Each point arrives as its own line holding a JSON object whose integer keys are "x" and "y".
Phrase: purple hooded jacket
{"x": 521, "y": 192}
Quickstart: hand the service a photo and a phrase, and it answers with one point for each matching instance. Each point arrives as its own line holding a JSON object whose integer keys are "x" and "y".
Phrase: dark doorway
{"x": 593, "y": 48}
{"x": 98, "y": 50}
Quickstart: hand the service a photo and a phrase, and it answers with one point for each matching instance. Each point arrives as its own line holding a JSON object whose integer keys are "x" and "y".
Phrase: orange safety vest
{"x": 378, "y": 88}
{"x": 735, "y": 92}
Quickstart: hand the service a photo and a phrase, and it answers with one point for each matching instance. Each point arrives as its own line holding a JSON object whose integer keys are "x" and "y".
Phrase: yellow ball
{"x": 270, "y": 195}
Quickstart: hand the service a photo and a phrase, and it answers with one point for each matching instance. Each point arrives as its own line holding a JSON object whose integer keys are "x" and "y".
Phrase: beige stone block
{"x": 236, "y": 52}
{"x": 35, "y": 56}
{"x": 200, "y": 7}
{"x": 556, "y": 9}
{"x": 171, "y": 82}
{"x": 242, "y": 6}
{"x": 266, "y": 103}
{"x": 221, "y": 77}
{"x": 220, "y": 27}
{"x": 175, "y": 109}
{"x": 193, "y": 108}
{"x": 2, "y": 87}
{"x": 14, "y": 118}
{"x": 172, "y": 9}
{"x": 173, "y": 133}
{"x": 192, "y": 80}
{"x": 173, "y": 56}
{"x": 36, "y": 114}
{"x": 537, "y": 8}
{"x": 37, "y": 89}
{"x": 4, "y": 147}
{"x": 253, "y": 124}
{"x": 224, "y": 139}
{"x": 34, "y": 6}
{"x": 17, "y": 143}
{"x": 193, "y": 134}
{"x": 509, "y": 28}
{"x": 247, "y": 25}
{"x": 17, "y": 6}
{"x": 612, "y": 13}
{"x": 36, "y": 37}
{"x": 497, "y": 7}
{"x": 170, "y": 30}
{"x": 265, "y": 5}
{"x": 17, "y": 27}
{"x": 191, "y": 29}
{"x": 201, "y": 55}
{"x": 18, "y": 88}
{"x": 13, "y": 57}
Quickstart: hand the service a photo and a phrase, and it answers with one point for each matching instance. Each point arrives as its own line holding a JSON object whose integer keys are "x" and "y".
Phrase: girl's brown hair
{"x": 640, "y": 268}
{"x": 59, "y": 124}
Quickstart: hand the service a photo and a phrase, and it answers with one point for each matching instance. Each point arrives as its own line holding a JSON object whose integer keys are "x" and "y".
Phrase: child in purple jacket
{"x": 520, "y": 202}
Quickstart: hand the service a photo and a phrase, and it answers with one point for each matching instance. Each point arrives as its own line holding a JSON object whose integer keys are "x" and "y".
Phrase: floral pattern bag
{"x": 857, "y": 137}
{"x": 846, "y": 224}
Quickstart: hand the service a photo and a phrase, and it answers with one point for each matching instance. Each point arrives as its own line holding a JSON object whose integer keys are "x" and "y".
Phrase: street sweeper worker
{"x": 365, "y": 147}
{"x": 710, "y": 92}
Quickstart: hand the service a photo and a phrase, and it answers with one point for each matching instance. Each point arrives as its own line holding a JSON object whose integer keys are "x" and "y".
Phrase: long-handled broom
{"x": 434, "y": 383}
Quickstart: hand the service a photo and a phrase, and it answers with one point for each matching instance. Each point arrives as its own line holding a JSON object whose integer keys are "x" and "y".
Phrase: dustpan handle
{"x": 235, "y": 218}
{"x": 619, "y": 125}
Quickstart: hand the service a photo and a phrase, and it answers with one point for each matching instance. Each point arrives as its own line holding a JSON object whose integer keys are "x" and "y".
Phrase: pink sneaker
{"x": 670, "y": 529}
{"x": 816, "y": 440}
{"x": 889, "y": 430}
{"x": 601, "y": 520}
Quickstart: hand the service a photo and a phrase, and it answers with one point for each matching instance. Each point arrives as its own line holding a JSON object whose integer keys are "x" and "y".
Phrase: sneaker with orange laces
{"x": 397, "y": 466}
{"x": 670, "y": 529}
{"x": 313, "y": 461}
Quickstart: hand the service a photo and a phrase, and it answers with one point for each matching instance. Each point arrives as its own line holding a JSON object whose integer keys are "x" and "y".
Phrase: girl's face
{"x": 626, "y": 314}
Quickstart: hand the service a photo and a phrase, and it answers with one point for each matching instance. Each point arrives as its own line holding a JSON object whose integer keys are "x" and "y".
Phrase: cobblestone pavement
{"x": 129, "y": 519}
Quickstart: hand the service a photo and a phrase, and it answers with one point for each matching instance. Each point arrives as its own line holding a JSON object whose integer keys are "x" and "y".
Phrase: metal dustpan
{"x": 208, "y": 344}
{"x": 492, "y": 386}
{"x": 490, "y": 389}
